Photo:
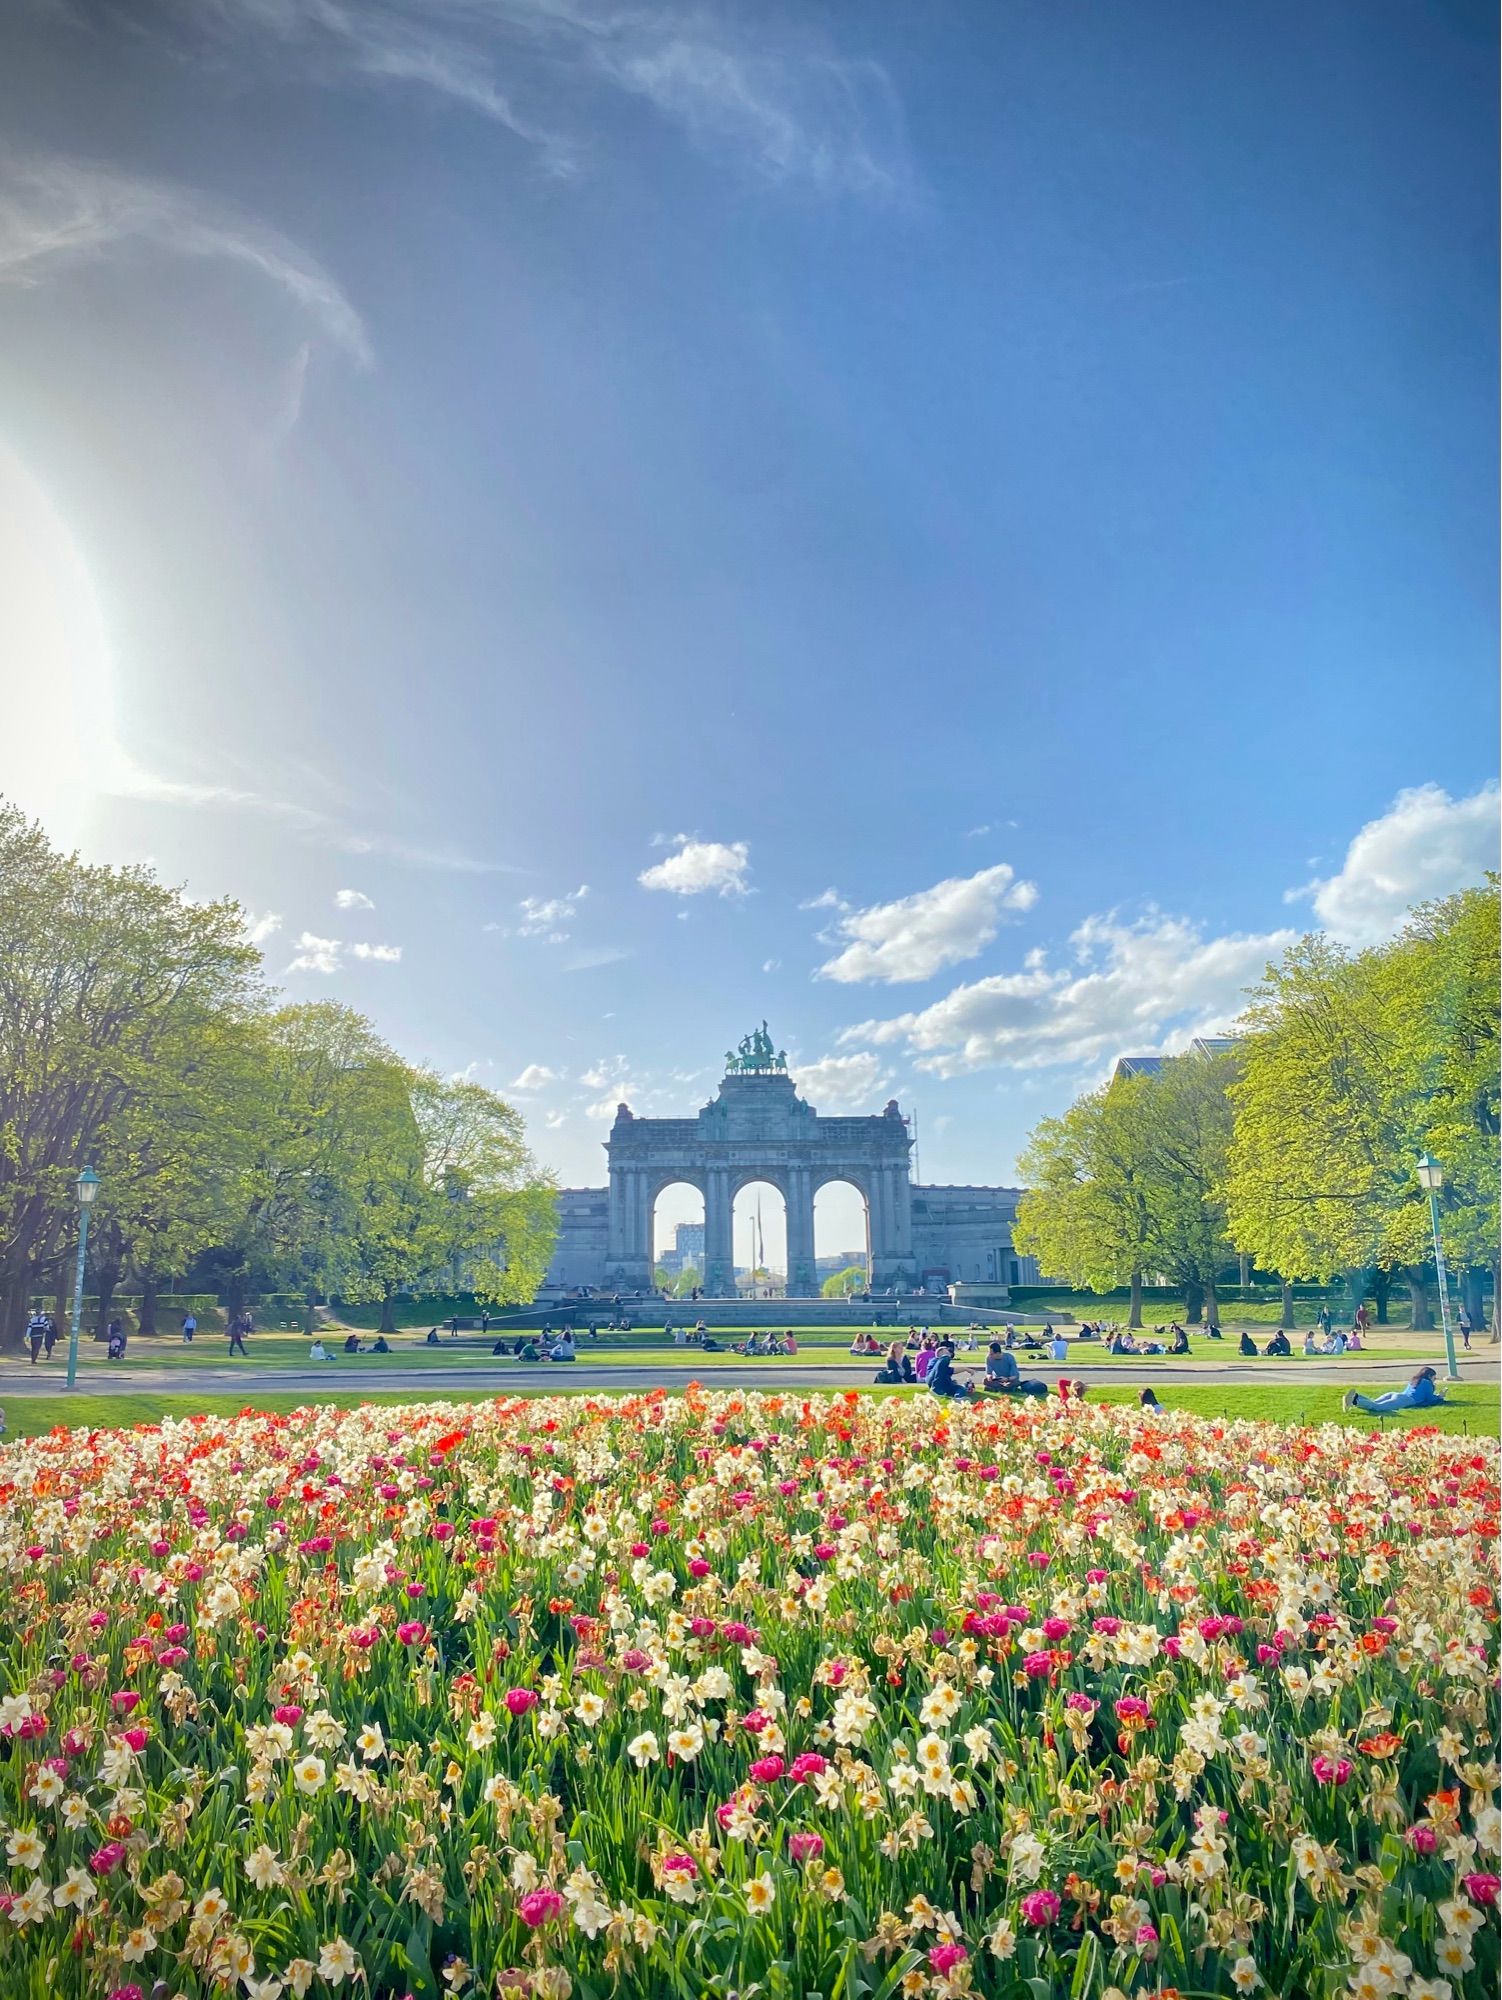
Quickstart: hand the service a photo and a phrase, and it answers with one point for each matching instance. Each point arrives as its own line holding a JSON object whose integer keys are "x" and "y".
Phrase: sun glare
{"x": 58, "y": 751}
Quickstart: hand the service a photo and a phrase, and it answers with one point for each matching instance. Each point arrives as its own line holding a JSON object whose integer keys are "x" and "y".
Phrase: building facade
{"x": 757, "y": 1128}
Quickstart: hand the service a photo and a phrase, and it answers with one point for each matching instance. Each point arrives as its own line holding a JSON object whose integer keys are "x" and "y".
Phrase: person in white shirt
{"x": 318, "y": 1352}
{"x": 1058, "y": 1348}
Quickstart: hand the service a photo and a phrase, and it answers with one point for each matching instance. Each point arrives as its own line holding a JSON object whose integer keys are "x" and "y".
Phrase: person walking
{"x": 49, "y": 1338}
{"x": 238, "y": 1328}
{"x": 36, "y": 1333}
{"x": 190, "y": 1326}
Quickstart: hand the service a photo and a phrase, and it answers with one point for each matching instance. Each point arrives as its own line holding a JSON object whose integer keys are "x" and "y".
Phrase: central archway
{"x": 842, "y": 1235}
{"x": 759, "y": 1234}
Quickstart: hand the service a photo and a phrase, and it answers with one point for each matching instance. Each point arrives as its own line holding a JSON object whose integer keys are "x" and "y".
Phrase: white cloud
{"x": 827, "y": 899}
{"x": 534, "y": 1076}
{"x": 57, "y": 209}
{"x": 771, "y": 965}
{"x": 1424, "y": 846}
{"x": 843, "y": 1083}
{"x": 321, "y": 954}
{"x": 352, "y": 899}
{"x": 976, "y": 832}
{"x": 699, "y": 865}
{"x": 918, "y": 935}
{"x": 555, "y": 1119}
{"x": 1134, "y": 987}
{"x": 548, "y": 916}
{"x": 259, "y": 928}
{"x": 316, "y": 954}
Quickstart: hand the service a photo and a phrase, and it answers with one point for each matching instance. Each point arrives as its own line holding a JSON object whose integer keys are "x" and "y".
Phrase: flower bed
{"x": 762, "y": 1694}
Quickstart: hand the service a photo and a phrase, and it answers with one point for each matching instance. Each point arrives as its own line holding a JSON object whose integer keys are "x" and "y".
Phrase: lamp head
{"x": 88, "y": 1187}
{"x": 1430, "y": 1173}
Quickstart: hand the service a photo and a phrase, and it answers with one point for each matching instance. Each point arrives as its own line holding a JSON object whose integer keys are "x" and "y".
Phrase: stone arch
{"x": 662, "y": 1230}
{"x": 834, "y": 1226}
{"x": 776, "y": 1227}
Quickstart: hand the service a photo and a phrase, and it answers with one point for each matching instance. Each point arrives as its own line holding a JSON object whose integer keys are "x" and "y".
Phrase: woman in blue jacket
{"x": 1418, "y": 1394}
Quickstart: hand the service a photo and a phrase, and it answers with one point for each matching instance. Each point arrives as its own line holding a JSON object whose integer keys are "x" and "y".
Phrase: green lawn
{"x": 1473, "y": 1407}
{"x": 817, "y": 1346}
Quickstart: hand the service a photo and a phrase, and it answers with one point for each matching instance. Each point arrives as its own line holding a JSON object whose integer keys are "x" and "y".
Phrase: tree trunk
{"x": 107, "y": 1277}
{"x": 14, "y": 1294}
{"x": 1244, "y": 1272}
{"x": 1212, "y": 1302}
{"x": 388, "y": 1310}
{"x": 1194, "y": 1302}
{"x": 146, "y": 1322}
{"x": 1420, "y": 1316}
{"x": 307, "y": 1318}
{"x": 1381, "y": 1286}
{"x": 1473, "y": 1294}
{"x": 1134, "y": 1315}
{"x": 1285, "y": 1318}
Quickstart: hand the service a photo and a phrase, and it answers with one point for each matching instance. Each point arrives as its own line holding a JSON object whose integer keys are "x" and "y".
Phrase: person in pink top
{"x": 923, "y": 1360}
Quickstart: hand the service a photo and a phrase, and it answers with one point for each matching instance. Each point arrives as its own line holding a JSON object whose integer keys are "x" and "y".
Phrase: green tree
{"x": 842, "y": 1284}
{"x": 686, "y": 1283}
{"x": 1086, "y": 1214}
{"x": 99, "y": 970}
{"x": 1355, "y": 1064}
{"x": 1181, "y": 1133}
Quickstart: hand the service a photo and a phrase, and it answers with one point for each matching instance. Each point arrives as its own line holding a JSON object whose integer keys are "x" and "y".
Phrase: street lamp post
{"x": 1431, "y": 1179}
{"x": 88, "y": 1187}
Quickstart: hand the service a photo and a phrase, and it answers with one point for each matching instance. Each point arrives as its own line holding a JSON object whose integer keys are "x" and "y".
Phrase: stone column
{"x": 799, "y": 1194}
{"x": 892, "y": 1261}
{"x": 628, "y": 1265}
{"x": 719, "y": 1248}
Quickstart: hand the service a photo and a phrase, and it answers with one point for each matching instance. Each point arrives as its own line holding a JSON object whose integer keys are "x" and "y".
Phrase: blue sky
{"x": 925, "y": 523}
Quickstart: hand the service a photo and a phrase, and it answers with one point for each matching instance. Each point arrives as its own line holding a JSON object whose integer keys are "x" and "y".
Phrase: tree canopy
{"x": 272, "y": 1147}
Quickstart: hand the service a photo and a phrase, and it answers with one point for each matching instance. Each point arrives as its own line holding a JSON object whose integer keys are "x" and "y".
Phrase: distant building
{"x": 1202, "y": 1045}
{"x": 757, "y": 1128}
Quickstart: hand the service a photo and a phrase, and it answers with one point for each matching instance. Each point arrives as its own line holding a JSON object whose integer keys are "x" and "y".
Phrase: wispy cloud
{"x": 550, "y": 916}
{"x": 775, "y": 99}
{"x": 592, "y": 957}
{"x": 352, "y": 899}
{"x": 56, "y": 209}
{"x": 120, "y": 776}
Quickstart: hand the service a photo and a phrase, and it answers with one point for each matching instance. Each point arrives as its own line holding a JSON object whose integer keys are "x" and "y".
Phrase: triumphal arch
{"x": 757, "y": 1128}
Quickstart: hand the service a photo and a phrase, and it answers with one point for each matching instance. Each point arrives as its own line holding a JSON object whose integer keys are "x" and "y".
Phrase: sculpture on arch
{"x": 756, "y": 1056}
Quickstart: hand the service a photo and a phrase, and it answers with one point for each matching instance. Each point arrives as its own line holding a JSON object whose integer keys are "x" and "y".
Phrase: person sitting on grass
{"x": 1278, "y": 1344}
{"x": 1058, "y": 1347}
{"x": 382, "y": 1345}
{"x": 1247, "y": 1346}
{"x": 352, "y": 1343}
{"x": 318, "y": 1352}
{"x": 1418, "y": 1393}
{"x": 1149, "y": 1401}
{"x": 942, "y": 1380}
{"x": 1001, "y": 1368}
{"x": 923, "y": 1360}
{"x": 1309, "y": 1343}
{"x": 1180, "y": 1341}
{"x": 528, "y": 1350}
{"x": 898, "y": 1365}
{"x": 563, "y": 1347}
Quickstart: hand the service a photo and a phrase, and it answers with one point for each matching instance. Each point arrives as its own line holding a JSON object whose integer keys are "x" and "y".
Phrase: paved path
{"x": 632, "y": 1377}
